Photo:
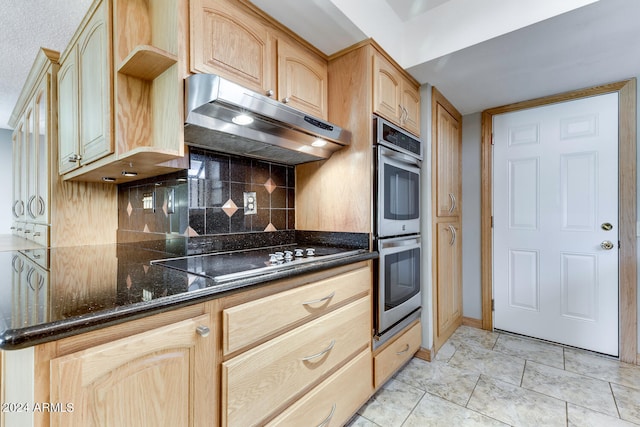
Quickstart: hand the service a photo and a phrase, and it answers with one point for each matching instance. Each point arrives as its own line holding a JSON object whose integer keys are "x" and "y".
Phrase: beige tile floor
{"x": 482, "y": 378}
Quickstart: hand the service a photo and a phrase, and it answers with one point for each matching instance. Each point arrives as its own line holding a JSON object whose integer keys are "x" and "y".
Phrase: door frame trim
{"x": 628, "y": 303}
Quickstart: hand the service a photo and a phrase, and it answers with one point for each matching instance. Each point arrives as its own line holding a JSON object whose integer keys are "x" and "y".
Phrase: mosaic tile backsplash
{"x": 209, "y": 198}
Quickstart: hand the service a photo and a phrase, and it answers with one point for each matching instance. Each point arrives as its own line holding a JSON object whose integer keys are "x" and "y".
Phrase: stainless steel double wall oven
{"x": 398, "y": 157}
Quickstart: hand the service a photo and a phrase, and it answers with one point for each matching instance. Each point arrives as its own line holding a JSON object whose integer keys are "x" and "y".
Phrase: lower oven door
{"x": 398, "y": 280}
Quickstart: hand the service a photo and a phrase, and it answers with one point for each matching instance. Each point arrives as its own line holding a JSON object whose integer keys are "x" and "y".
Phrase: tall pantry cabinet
{"x": 46, "y": 209}
{"x": 447, "y": 218}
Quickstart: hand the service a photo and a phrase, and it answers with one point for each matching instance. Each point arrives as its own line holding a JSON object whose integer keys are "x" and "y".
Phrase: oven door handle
{"x": 400, "y": 243}
{"x": 399, "y": 157}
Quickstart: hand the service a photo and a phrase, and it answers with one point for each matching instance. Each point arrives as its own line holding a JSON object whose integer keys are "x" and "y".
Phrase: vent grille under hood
{"x": 278, "y": 132}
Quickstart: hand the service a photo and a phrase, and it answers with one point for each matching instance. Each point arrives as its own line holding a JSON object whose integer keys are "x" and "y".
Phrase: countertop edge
{"x": 16, "y": 339}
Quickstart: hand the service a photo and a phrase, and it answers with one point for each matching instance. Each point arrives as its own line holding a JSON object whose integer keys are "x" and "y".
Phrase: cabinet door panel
{"x": 95, "y": 89}
{"x": 149, "y": 379}
{"x": 448, "y": 157}
{"x": 231, "y": 43}
{"x": 449, "y": 279}
{"x": 17, "y": 204}
{"x": 411, "y": 103}
{"x": 68, "y": 113}
{"x": 302, "y": 79}
{"x": 386, "y": 90}
{"x": 39, "y": 204}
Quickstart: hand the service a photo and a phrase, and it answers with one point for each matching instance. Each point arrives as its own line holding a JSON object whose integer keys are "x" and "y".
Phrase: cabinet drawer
{"x": 334, "y": 401}
{"x": 392, "y": 357}
{"x": 260, "y": 381}
{"x": 255, "y": 320}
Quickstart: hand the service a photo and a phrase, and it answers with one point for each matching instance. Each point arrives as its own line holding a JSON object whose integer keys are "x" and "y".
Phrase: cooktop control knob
{"x": 288, "y": 255}
{"x": 311, "y": 252}
{"x": 299, "y": 252}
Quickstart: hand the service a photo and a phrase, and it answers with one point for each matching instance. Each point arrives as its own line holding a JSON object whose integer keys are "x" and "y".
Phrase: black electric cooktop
{"x": 226, "y": 266}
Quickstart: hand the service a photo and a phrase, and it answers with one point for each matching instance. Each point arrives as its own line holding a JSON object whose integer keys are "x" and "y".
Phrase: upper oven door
{"x": 398, "y": 198}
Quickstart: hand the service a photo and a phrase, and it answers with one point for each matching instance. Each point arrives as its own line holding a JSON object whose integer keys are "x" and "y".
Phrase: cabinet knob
{"x": 203, "y": 331}
{"x": 74, "y": 158}
{"x": 270, "y": 93}
{"x": 286, "y": 100}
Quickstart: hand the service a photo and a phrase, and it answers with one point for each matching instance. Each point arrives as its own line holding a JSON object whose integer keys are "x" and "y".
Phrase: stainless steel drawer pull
{"x": 326, "y": 420}
{"x": 403, "y": 351}
{"x": 319, "y": 300}
{"x": 322, "y": 353}
{"x": 203, "y": 331}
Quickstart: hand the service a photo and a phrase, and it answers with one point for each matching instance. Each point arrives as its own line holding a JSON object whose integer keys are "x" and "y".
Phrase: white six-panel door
{"x": 555, "y": 219}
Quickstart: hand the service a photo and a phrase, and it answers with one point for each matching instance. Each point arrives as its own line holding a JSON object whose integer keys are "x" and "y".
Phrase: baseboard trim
{"x": 474, "y": 323}
{"x": 425, "y": 354}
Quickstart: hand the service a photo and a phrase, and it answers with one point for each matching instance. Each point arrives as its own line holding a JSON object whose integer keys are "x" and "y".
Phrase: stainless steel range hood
{"x": 278, "y": 132}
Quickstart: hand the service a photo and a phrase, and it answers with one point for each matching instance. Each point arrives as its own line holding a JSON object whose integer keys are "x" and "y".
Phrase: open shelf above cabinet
{"x": 147, "y": 62}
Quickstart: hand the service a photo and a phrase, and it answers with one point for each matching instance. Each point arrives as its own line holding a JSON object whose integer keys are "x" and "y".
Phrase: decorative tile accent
{"x": 190, "y": 232}
{"x": 128, "y": 281}
{"x": 146, "y": 229}
{"x": 208, "y": 198}
{"x": 270, "y": 185}
{"x": 229, "y": 208}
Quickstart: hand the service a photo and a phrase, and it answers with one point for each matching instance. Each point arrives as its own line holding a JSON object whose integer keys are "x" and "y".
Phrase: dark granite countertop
{"x": 49, "y": 294}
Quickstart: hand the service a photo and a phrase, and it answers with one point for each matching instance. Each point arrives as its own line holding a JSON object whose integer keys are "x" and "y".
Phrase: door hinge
{"x": 618, "y": 244}
{"x": 493, "y": 142}
{"x": 491, "y": 221}
{"x": 493, "y": 305}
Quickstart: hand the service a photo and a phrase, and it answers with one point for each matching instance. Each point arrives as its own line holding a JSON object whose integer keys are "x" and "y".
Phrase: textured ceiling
{"x": 591, "y": 45}
{"x": 25, "y": 26}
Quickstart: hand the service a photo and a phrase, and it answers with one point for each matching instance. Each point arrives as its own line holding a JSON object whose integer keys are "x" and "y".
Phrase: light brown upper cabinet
{"x": 121, "y": 92}
{"x": 85, "y": 92}
{"x": 235, "y": 41}
{"x": 395, "y": 97}
{"x": 447, "y": 144}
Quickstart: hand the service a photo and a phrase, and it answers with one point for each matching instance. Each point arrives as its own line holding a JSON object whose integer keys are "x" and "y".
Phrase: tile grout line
{"x": 615, "y": 401}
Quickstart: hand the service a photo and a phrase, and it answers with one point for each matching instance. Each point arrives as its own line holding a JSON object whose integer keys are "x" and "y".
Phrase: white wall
{"x": 425, "y": 229}
{"x": 471, "y": 180}
{"x": 6, "y": 178}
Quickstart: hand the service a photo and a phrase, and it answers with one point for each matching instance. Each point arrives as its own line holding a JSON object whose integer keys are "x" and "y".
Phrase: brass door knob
{"x": 606, "y": 245}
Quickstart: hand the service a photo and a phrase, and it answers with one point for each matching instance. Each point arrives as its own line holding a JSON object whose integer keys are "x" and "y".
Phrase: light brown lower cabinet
{"x": 396, "y": 353}
{"x": 309, "y": 359}
{"x": 334, "y": 400}
{"x": 155, "y": 378}
{"x": 267, "y": 379}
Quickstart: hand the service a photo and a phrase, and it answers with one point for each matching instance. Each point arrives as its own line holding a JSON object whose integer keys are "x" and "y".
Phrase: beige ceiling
{"x": 591, "y": 45}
